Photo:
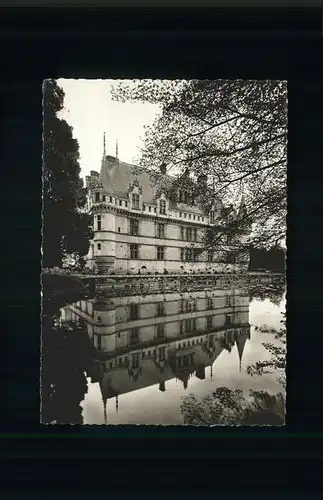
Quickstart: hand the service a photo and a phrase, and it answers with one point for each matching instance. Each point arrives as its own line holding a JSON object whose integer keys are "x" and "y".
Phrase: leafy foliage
{"x": 66, "y": 357}
{"x": 234, "y": 132}
{"x": 277, "y": 362}
{"x": 66, "y": 228}
{"x": 231, "y": 407}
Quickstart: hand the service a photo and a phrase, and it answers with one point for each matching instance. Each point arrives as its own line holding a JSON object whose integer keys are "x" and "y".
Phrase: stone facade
{"x": 138, "y": 229}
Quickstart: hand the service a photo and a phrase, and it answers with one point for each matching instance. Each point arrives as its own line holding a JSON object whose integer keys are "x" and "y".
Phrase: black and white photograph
{"x": 163, "y": 282}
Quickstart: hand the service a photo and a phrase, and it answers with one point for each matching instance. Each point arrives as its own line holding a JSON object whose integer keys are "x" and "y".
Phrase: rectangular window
{"x": 99, "y": 220}
{"x": 229, "y": 301}
{"x": 160, "y": 230}
{"x": 111, "y": 199}
{"x": 135, "y": 201}
{"x": 134, "y": 252}
{"x": 119, "y": 229}
{"x": 184, "y": 306}
{"x": 190, "y": 254}
{"x": 161, "y": 352}
{"x": 194, "y": 217}
{"x": 189, "y": 216}
{"x": 149, "y": 209}
{"x": 182, "y": 233}
{"x": 182, "y": 254}
{"x": 196, "y": 254}
{"x": 134, "y": 336}
{"x": 209, "y": 303}
{"x": 195, "y": 234}
{"x": 160, "y": 253}
{"x": 97, "y": 196}
{"x": 209, "y": 322}
{"x": 210, "y": 255}
{"x": 104, "y": 198}
{"x": 180, "y": 214}
{"x": 134, "y": 227}
{"x": 160, "y": 309}
{"x": 162, "y": 207}
{"x": 126, "y": 203}
{"x": 120, "y": 203}
{"x": 160, "y": 331}
{"x": 189, "y": 234}
{"x": 99, "y": 246}
{"x": 99, "y": 343}
{"x": 155, "y": 210}
{"x": 144, "y": 207}
{"x": 135, "y": 361}
{"x": 228, "y": 320}
{"x": 184, "y": 216}
{"x": 134, "y": 311}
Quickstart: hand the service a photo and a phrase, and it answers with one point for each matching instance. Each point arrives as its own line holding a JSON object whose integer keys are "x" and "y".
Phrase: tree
{"x": 66, "y": 226}
{"x": 235, "y": 133}
{"x": 277, "y": 350}
{"x": 230, "y": 407}
{"x": 66, "y": 357}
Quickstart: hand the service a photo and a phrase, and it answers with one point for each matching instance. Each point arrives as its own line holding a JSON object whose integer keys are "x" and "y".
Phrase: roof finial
{"x": 117, "y": 150}
{"x": 104, "y": 151}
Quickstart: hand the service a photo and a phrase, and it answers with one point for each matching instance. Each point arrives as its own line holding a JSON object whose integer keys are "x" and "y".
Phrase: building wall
{"x": 111, "y": 244}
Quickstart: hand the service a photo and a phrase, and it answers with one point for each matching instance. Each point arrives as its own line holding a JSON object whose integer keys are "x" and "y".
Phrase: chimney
{"x": 163, "y": 168}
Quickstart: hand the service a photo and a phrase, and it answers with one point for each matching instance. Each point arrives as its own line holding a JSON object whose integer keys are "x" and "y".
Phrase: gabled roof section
{"x": 117, "y": 176}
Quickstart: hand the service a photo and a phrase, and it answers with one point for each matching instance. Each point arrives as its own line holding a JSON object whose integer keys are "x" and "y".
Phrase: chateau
{"x": 139, "y": 227}
{"x": 145, "y": 341}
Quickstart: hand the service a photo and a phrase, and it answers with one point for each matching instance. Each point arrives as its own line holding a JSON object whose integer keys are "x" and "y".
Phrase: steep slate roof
{"x": 116, "y": 176}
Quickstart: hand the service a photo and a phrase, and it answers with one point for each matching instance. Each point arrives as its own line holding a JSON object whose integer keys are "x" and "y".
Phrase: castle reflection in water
{"x": 140, "y": 341}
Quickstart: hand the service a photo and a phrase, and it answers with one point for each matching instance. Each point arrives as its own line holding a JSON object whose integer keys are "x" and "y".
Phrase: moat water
{"x": 164, "y": 358}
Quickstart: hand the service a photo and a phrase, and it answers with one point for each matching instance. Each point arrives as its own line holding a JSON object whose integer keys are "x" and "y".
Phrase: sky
{"x": 89, "y": 109}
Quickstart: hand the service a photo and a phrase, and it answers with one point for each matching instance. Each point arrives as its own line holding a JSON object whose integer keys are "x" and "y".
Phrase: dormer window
{"x": 162, "y": 207}
{"x": 135, "y": 201}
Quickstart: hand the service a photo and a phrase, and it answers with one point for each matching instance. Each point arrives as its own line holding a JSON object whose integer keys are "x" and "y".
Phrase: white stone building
{"x": 138, "y": 228}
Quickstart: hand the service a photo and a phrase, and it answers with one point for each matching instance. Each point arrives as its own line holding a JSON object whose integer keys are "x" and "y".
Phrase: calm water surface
{"x": 133, "y": 359}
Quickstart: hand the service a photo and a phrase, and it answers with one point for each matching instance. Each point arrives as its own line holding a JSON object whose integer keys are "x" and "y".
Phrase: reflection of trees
{"x": 66, "y": 356}
{"x": 277, "y": 350}
{"x": 231, "y": 407}
{"x": 274, "y": 293}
